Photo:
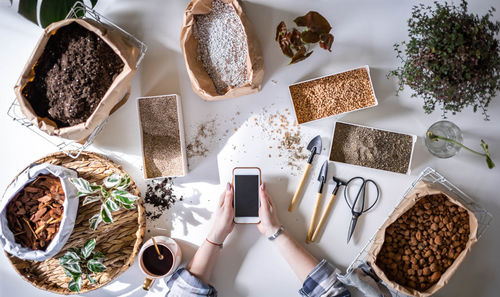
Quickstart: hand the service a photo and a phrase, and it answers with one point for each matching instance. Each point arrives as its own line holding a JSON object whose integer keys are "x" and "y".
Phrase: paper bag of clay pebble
{"x": 200, "y": 81}
{"x": 115, "y": 96}
{"x": 70, "y": 209}
{"x": 421, "y": 190}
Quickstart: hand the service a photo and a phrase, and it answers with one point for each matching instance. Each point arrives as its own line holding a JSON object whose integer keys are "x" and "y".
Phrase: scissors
{"x": 358, "y": 210}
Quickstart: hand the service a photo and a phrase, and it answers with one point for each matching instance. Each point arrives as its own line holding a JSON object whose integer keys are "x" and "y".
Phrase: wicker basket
{"x": 119, "y": 242}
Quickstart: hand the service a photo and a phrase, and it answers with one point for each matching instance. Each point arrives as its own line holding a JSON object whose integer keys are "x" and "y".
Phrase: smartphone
{"x": 246, "y": 182}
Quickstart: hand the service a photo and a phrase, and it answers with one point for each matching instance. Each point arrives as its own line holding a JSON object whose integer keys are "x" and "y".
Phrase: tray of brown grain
{"x": 120, "y": 241}
{"x": 332, "y": 95}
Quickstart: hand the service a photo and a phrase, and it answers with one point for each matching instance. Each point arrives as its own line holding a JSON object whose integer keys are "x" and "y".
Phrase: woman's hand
{"x": 224, "y": 215}
{"x": 269, "y": 222}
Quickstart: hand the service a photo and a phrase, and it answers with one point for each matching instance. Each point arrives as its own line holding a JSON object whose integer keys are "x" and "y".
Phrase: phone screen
{"x": 246, "y": 193}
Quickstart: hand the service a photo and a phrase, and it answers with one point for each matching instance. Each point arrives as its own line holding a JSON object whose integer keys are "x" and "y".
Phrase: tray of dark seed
{"x": 374, "y": 148}
{"x": 162, "y": 134}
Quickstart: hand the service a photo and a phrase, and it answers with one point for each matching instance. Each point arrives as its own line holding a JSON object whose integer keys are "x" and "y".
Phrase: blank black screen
{"x": 246, "y": 195}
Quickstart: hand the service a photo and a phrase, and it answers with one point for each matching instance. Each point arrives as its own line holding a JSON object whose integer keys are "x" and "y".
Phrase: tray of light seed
{"x": 370, "y": 147}
{"x": 162, "y": 135}
{"x": 333, "y": 95}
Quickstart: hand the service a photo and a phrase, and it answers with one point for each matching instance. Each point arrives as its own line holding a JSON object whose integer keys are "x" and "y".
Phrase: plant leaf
{"x": 95, "y": 266}
{"x": 310, "y": 36}
{"x": 490, "y": 162}
{"x": 95, "y": 220}
{"x": 91, "y": 199}
{"x": 314, "y": 21}
{"x": 300, "y": 55}
{"x": 88, "y": 248}
{"x": 93, "y": 2}
{"x": 128, "y": 206}
{"x": 91, "y": 279}
{"x": 98, "y": 255}
{"x": 75, "y": 285}
{"x": 326, "y": 41}
{"x": 106, "y": 214}
{"x": 54, "y": 10}
{"x": 83, "y": 186}
{"x": 112, "y": 181}
{"x": 124, "y": 197}
{"x": 124, "y": 182}
{"x": 69, "y": 258}
{"x": 27, "y": 8}
{"x": 112, "y": 205}
{"x": 73, "y": 268}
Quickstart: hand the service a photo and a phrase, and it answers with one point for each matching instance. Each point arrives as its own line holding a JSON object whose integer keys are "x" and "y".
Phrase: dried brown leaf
{"x": 314, "y": 21}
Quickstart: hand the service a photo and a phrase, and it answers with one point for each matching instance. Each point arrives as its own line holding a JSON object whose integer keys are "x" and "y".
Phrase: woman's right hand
{"x": 269, "y": 222}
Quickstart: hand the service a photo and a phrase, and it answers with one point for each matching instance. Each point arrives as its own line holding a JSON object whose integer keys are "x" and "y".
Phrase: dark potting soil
{"x": 72, "y": 75}
{"x": 159, "y": 197}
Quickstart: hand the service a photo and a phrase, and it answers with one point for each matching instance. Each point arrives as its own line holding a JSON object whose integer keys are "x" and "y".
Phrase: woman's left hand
{"x": 224, "y": 216}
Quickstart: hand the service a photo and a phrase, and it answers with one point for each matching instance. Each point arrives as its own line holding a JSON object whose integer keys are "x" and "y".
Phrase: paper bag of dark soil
{"x": 222, "y": 53}
{"x": 71, "y": 101}
{"x": 406, "y": 247}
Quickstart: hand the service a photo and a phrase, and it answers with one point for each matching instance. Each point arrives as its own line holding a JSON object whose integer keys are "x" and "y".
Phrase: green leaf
{"x": 91, "y": 279}
{"x": 95, "y": 220}
{"x": 27, "y": 8}
{"x": 128, "y": 206}
{"x": 112, "y": 181}
{"x": 73, "y": 268}
{"x": 75, "y": 285}
{"x": 95, "y": 266}
{"x": 91, "y": 199}
{"x": 98, "y": 255}
{"x": 54, "y": 10}
{"x": 112, "y": 205}
{"x": 73, "y": 276}
{"x": 88, "y": 248}
{"x": 70, "y": 257}
{"x": 83, "y": 186}
{"x": 124, "y": 182}
{"x": 124, "y": 197}
{"x": 490, "y": 162}
{"x": 106, "y": 214}
{"x": 93, "y": 2}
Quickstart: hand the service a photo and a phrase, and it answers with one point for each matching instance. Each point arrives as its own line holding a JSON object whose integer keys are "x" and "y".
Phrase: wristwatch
{"x": 277, "y": 233}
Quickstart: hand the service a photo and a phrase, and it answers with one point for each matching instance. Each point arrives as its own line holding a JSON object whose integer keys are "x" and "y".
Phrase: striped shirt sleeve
{"x": 184, "y": 284}
{"x": 323, "y": 282}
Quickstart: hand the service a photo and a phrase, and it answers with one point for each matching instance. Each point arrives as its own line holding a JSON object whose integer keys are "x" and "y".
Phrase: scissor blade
{"x": 352, "y": 225}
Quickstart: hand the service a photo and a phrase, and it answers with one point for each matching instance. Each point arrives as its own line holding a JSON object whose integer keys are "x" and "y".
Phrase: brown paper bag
{"x": 421, "y": 190}
{"x": 115, "y": 96}
{"x": 200, "y": 81}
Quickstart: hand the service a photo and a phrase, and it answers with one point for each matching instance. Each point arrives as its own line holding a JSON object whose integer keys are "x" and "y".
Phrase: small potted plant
{"x": 451, "y": 59}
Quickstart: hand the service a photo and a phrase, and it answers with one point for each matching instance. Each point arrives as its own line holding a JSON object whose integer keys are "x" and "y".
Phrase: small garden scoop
{"x": 322, "y": 180}
{"x": 315, "y": 147}
{"x": 338, "y": 183}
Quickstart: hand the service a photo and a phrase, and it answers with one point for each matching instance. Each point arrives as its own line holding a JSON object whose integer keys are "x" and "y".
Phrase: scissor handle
{"x": 361, "y": 192}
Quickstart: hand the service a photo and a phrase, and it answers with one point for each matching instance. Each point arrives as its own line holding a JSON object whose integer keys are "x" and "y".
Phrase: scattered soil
{"x": 422, "y": 243}
{"x": 371, "y": 147}
{"x": 332, "y": 95}
{"x": 159, "y": 197}
{"x": 222, "y": 46}
{"x": 161, "y": 139}
{"x": 35, "y": 214}
{"x": 199, "y": 146}
{"x": 72, "y": 76}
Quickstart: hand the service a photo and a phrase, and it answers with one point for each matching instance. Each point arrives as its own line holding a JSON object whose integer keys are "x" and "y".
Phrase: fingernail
{"x": 263, "y": 186}
{"x": 228, "y": 187}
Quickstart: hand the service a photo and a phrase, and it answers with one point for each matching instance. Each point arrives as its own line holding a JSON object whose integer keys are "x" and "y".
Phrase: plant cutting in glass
{"x": 112, "y": 194}
{"x": 486, "y": 153}
{"x": 293, "y": 43}
{"x": 84, "y": 262}
{"x": 452, "y": 58}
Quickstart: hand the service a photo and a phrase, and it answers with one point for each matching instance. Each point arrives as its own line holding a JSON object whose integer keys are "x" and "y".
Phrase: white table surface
{"x": 249, "y": 265}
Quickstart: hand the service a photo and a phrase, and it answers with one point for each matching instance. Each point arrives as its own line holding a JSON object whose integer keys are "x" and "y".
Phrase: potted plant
{"x": 451, "y": 58}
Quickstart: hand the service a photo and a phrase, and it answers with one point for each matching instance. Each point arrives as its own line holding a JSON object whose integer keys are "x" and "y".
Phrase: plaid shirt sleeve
{"x": 184, "y": 284}
{"x": 323, "y": 282}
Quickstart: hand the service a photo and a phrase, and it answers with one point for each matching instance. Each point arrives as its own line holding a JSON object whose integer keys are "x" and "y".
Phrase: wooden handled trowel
{"x": 314, "y": 146}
